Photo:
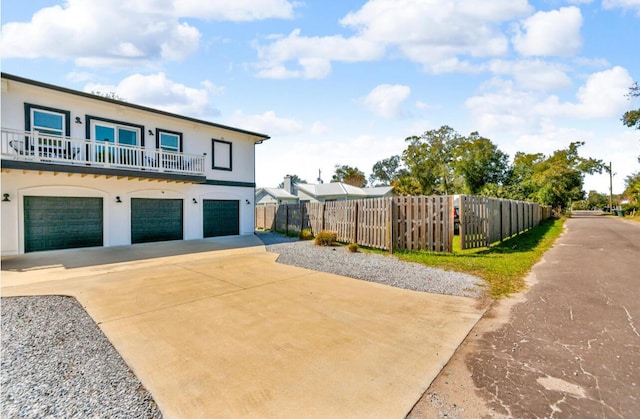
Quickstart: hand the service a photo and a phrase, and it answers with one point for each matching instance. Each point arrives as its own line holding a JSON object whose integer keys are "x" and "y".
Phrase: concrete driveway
{"x": 217, "y": 328}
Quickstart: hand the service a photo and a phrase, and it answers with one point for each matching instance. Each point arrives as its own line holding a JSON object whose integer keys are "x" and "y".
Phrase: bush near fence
{"x": 406, "y": 222}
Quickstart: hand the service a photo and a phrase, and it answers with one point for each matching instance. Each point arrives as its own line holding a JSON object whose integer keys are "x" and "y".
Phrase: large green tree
{"x": 519, "y": 184}
{"x": 429, "y": 159}
{"x": 349, "y": 175}
{"x": 386, "y": 171}
{"x": 556, "y": 180}
{"x": 632, "y": 118}
{"x": 479, "y": 164}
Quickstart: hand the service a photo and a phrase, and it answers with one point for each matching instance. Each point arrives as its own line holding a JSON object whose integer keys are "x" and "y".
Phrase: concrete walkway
{"x": 217, "y": 328}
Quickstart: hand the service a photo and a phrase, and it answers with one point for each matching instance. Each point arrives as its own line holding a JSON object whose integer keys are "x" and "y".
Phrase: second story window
{"x": 169, "y": 140}
{"x": 121, "y": 133}
{"x": 222, "y": 155}
{"x": 47, "y": 120}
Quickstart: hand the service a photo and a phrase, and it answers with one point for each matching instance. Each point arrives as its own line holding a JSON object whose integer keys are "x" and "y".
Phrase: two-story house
{"x": 83, "y": 170}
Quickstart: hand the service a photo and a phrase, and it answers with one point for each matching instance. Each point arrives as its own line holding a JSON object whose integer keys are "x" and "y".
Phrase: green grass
{"x": 503, "y": 266}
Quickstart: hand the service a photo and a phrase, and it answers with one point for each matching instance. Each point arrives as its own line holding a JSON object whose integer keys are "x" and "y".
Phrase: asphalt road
{"x": 572, "y": 348}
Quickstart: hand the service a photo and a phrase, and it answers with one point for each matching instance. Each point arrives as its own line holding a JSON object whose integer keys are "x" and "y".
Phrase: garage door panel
{"x": 52, "y": 223}
{"x": 221, "y": 217}
{"x": 155, "y": 220}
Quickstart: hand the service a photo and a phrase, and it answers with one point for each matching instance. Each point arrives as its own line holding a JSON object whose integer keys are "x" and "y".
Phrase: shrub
{"x": 306, "y": 234}
{"x": 353, "y": 247}
{"x": 326, "y": 238}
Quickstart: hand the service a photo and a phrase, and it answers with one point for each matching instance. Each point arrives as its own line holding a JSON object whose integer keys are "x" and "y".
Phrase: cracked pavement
{"x": 568, "y": 347}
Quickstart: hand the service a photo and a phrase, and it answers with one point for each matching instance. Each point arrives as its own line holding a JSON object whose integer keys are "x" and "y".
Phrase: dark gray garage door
{"x": 220, "y": 217}
{"x": 154, "y": 220}
{"x": 61, "y": 222}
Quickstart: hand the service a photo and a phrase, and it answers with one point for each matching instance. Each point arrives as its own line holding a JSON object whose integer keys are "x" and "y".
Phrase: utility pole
{"x": 610, "y": 189}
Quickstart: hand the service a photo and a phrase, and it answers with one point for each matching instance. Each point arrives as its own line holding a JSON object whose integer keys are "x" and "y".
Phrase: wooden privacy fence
{"x": 412, "y": 223}
{"x": 486, "y": 220}
{"x": 407, "y": 222}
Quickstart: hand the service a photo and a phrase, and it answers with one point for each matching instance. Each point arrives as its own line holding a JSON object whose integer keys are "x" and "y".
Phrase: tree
{"x": 386, "y": 171}
{"x": 632, "y": 118}
{"x": 429, "y": 159}
{"x": 109, "y": 95}
{"x": 294, "y": 179}
{"x": 479, "y": 163}
{"x": 559, "y": 179}
{"x": 632, "y": 190}
{"x": 407, "y": 185}
{"x": 349, "y": 175}
{"x": 518, "y": 180}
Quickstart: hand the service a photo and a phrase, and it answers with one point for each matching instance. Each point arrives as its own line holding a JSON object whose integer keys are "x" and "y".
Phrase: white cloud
{"x": 157, "y": 91}
{"x": 121, "y": 33}
{"x": 602, "y": 96}
{"x": 313, "y": 55}
{"x": 552, "y": 33}
{"x": 268, "y": 123}
{"x": 633, "y": 5}
{"x": 97, "y": 33}
{"x": 533, "y": 74}
{"x": 434, "y": 34}
{"x": 236, "y": 10}
{"x": 385, "y": 100}
{"x": 505, "y": 107}
{"x": 318, "y": 128}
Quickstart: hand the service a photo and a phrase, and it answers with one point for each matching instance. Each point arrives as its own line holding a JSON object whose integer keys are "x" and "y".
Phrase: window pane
{"x": 105, "y": 133}
{"x": 169, "y": 141}
{"x": 127, "y": 136}
{"x": 53, "y": 123}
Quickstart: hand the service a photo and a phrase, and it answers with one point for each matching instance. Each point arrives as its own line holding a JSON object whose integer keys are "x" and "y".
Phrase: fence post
{"x": 355, "y": 222}
{"x": 390, "y": 220}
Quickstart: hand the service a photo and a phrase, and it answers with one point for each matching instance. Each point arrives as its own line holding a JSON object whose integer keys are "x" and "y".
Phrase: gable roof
{"x": 259, "y": 137}
{"x": 277, "y": 193}
{"x": 325, "y": 190}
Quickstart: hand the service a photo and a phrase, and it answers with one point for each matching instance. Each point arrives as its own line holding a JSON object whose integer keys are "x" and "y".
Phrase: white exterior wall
{"x": 197, "y": 139}
{"x": 116, "y": 216}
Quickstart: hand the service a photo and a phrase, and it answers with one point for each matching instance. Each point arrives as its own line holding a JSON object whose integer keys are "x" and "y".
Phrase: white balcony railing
{"x": 38, "y": 147}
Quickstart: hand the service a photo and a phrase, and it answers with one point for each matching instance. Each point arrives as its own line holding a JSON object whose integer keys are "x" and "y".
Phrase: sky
{"x": 346, "y": 82}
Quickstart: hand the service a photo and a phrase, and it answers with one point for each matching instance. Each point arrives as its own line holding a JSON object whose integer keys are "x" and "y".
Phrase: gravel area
{"x": 372, "y": 267}
{"x": 57, "y": 363}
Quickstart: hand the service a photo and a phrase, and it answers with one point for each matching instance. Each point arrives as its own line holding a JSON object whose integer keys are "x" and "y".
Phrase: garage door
{"x": 154, "y": 220}
{"x": 61, "y": 222}
{"x": 220, "y": 217}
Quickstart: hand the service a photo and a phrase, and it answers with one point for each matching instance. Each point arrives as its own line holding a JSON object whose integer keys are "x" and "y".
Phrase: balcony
{"x": 25, "y": 149}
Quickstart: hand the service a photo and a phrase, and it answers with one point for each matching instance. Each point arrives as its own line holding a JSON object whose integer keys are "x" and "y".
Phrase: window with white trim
{"x": 168, "y": 140}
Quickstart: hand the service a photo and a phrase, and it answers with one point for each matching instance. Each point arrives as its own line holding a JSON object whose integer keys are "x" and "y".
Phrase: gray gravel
{"x": 57, "y": 363}
{"x": 372, "y": 267}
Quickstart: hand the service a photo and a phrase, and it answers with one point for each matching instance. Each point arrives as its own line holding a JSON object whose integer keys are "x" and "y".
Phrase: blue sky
{"x": 345, "y": 82}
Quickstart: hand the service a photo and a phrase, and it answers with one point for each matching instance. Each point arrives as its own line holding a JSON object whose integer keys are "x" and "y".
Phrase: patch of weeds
{"x": 326, "y": 238}
{"x": 353, "y": 247}
{"x": 306, "y": 234}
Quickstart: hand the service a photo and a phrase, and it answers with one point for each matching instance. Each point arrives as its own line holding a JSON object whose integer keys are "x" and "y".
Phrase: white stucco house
{"x": 320, "y": 192}
{"x": 82, "y": 170}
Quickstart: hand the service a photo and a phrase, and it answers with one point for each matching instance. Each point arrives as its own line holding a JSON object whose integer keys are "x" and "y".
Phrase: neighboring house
{"x": 274, "y": 196}
{"x": 325, "y": 192}
{"x": 82, "y": 170}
